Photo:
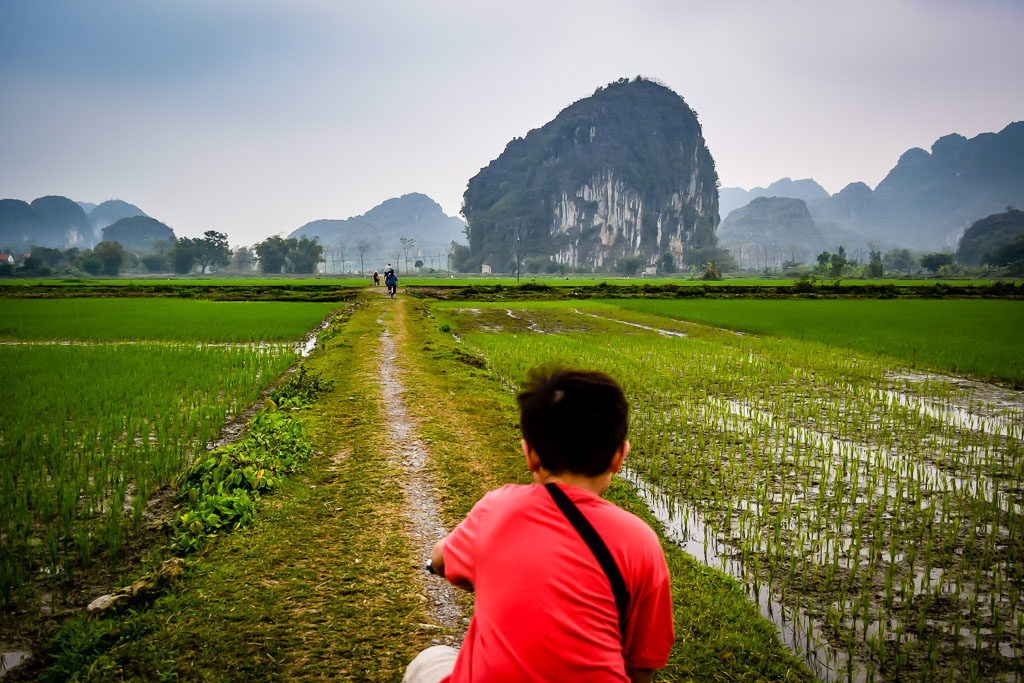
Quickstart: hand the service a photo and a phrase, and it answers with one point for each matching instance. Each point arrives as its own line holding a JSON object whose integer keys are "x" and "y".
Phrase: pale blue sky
{"x": 255, "y": 117}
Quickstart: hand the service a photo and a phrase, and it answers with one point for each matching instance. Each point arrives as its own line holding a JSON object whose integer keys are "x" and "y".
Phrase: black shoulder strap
{"x": 600, "y": 550}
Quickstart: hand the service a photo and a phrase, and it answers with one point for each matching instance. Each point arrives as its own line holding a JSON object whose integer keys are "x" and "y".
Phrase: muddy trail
{"x": 409, "y": 454}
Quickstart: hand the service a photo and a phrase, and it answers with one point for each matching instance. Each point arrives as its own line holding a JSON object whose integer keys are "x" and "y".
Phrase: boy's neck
{"x": 598, "y": 484}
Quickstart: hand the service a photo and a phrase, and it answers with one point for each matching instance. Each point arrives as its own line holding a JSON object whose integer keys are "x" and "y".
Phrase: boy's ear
{"x": 532, "y": 459}
{"x": 620, "y": 455}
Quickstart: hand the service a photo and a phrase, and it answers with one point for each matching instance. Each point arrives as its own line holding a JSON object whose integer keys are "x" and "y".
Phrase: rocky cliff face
{"x": 624, "y": 172}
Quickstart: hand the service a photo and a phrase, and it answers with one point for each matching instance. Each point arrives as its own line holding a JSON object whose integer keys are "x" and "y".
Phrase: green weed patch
{"x": 224, "y": 487}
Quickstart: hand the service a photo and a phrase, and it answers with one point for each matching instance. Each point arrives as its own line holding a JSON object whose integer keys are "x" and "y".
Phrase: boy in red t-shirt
{"x": 545, "y": 604}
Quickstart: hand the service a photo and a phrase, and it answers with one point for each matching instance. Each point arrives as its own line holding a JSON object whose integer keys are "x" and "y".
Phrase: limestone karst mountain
{"x": 623, "y": 172}
{"x": 137, "y": 232}
{"x": 807, "y": 189}
{"x": 58, "y": 222}
{"x": 51, "y": 221}
{"x": 110, "y": 212}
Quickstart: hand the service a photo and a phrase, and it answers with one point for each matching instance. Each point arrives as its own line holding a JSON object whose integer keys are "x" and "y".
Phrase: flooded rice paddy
{"x": 872, "y": 512}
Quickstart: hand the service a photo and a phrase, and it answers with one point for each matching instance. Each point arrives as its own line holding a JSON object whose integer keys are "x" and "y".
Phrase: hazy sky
{"x": 253, "y": 117}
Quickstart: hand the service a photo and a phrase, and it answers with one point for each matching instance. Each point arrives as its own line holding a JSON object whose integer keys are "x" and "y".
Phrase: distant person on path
{"x": 376, "y": 279}
{"x": 553, "y": 603}
{"x": 391, "y": 280}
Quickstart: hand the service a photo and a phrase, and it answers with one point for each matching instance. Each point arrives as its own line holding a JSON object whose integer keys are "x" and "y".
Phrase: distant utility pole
{"x": 517, "y": 258}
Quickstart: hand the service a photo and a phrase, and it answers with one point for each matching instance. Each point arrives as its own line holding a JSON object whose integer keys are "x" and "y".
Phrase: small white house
{"x": 485, "y": 269}
{"x": 651, "y": 270}
{"x": 7, "y": 258}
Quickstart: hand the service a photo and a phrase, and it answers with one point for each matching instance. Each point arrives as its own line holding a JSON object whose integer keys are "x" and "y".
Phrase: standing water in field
{"x": 882, "y": 509}
{"x": 797, "y": 629}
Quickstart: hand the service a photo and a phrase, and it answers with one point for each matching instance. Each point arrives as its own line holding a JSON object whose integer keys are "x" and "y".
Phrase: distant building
{"x": 485, "y": 269}
{"x": 7, "y": 258}
{"x": 651, "y": 270}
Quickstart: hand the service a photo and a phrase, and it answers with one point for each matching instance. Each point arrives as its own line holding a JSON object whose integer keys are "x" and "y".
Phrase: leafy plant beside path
{"x": 223, "y": 488}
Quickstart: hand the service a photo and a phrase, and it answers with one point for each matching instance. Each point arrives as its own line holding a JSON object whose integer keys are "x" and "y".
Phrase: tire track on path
{"x": 409, "y": 454}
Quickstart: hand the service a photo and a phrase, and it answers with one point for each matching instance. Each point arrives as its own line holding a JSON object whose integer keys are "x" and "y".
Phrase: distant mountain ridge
{"x": 925, "y": 202}
{"x": 928, "y": 200}
{"x": 110, "y": 212}
{"x": 769, "y": 231}
{"x": 137, "y": 232}
{"x": 413, "y": 216}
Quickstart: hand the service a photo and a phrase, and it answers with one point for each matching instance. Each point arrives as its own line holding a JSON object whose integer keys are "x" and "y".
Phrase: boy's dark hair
{"x": 574, "y": 419}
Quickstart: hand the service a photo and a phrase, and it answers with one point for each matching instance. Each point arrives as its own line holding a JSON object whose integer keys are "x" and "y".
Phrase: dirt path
{"x": 409, "y": 454}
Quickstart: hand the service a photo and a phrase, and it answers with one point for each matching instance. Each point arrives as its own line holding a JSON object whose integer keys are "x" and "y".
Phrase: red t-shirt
{"x": 544, "y": 607}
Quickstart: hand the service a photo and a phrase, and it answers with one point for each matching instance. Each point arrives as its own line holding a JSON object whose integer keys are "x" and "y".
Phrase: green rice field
{"x": 965, "y": 336}
{"x": 91, "y": 429}
{"x": 170, "y": 319}
{"x": 874, "y": 512}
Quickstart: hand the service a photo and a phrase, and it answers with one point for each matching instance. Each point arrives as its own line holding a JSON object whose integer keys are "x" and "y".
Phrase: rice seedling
{"x": 106, "y": 319}
{"x": 881, "y": 505}
{"x": 91, "y": 431}
{"x": 95, "y": 430}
